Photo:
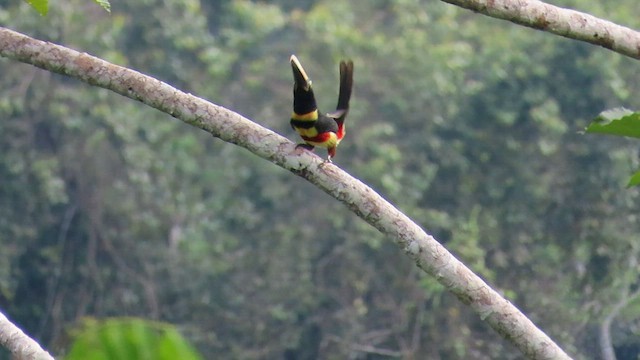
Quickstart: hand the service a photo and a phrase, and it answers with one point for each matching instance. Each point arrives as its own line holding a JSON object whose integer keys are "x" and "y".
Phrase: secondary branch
{"x": 560, "y": 21}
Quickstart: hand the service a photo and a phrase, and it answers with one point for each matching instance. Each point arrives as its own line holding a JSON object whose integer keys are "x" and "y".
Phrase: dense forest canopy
{"x": 468, "y": 124}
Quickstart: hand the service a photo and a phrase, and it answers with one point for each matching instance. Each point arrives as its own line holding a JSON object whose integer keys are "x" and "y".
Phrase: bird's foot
{"x": 331, "y": 152}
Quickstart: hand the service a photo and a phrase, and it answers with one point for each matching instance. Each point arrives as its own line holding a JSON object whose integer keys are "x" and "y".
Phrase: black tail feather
{"x": 346, "y": 84}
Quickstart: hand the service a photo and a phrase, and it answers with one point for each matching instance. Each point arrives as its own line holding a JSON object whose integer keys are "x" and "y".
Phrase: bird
{"x": 315, "y": 128}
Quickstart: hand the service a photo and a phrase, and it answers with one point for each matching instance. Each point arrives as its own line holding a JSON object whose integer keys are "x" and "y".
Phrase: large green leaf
{"x": 128, "y": 338}
{"x": 42, "y": 6}
{"x": 618, "y": 121}
{"x": 634, "y": 180}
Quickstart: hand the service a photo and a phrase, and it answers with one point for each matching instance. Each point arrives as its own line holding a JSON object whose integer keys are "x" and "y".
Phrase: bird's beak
{"x": 299, "y": 75}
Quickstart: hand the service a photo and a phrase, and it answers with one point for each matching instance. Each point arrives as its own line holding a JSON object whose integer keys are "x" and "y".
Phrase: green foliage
{"x": 620, "y": 122}
{"x": 111, "y": 209}
{"x": 129, "y": 339}
{"x": 105, "y": 4}
{"x": 634, "y": 180}
{"x": 41, "y": 6}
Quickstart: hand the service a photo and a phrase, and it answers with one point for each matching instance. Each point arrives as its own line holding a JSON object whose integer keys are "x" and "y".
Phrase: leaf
{"x": 618, "y": 121}
{"x": 104, "y": 4}
{"x": 173, "y": 346}
{"x": 41, "y": 6}
{"x": 634, "y": 180}
{"x": 129, "y": 339}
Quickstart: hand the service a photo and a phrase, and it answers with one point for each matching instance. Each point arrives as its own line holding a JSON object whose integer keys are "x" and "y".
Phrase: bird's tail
{"x": 346, "y": 85}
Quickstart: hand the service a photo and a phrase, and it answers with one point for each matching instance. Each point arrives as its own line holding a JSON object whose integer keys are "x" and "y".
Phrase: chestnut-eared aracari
{"x": 316, "y": 129}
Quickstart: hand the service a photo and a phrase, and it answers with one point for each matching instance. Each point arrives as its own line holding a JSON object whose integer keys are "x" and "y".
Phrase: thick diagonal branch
{"x": 422, "y": 248}
{"x": 564, "y": 22}
{"x": 18, "y": 343}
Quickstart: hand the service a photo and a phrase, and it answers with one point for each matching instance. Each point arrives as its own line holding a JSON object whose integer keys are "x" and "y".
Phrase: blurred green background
{"x": 468, "y": 124}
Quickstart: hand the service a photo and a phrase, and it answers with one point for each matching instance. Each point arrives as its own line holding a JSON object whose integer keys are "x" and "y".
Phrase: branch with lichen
{"x": 560, "y": 21}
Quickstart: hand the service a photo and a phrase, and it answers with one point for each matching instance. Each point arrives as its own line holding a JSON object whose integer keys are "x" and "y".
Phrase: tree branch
{"x": 606, "y": 345}
{"x": 564, "y": 22}
{"x": 18, "y": 343}
{"x": 231, "y": 127}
